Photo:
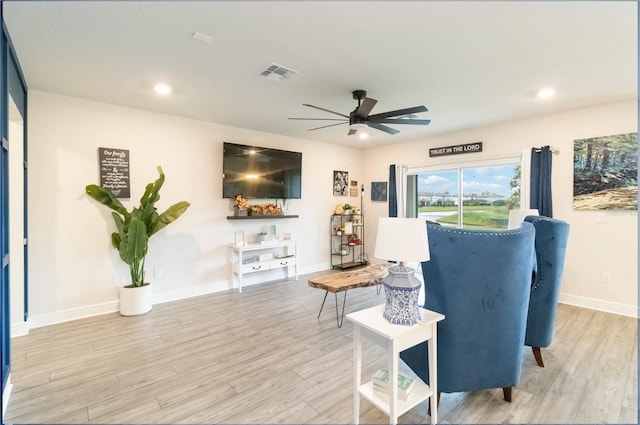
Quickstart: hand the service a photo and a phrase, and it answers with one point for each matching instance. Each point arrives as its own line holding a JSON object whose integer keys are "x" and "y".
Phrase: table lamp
{"x": 403, "y": 240}
{"x": 517, "y": 216}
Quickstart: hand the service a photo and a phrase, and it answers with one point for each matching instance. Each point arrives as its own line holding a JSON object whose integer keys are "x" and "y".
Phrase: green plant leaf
{"x": 115, "y": 240}
{"x": 135, "y": 227}
{"x": 169, "y": 216}
{"x": 151, "y": 193}
{"x": 106, "y": 198}
{"x": 134, "y": 247}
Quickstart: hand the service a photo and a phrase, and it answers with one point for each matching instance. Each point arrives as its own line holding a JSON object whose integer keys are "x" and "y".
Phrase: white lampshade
{"x": 402, "y": 239}
{"x": 517, "y": 216}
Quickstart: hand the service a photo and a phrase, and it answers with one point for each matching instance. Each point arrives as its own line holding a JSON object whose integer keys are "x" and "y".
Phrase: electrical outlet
{"x": 606, "y": 277}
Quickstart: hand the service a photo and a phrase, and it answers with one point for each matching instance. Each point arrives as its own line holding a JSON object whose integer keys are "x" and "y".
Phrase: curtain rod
{"x": 553, "y": 150}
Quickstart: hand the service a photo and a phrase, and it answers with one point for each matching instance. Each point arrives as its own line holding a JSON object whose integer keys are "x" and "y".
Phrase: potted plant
{"x": 131, "y": 239}
{"x": 263, "y": 237}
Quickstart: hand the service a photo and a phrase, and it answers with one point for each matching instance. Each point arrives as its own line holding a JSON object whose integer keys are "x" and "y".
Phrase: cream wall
{"x": 593, "y": 247}
{"x": 75, "y": 272}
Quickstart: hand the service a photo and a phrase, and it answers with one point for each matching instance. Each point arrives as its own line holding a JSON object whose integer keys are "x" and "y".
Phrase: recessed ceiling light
{"x": 162, "y": 89}
{"x": 546, "y": 93}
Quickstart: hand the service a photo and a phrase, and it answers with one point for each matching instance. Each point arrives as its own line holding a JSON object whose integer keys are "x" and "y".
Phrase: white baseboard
{"x": 628, "y": 310}
{"x": 19, "y": 329}
{"x": 5, "y": 396}
{"x": 40, "y": 320}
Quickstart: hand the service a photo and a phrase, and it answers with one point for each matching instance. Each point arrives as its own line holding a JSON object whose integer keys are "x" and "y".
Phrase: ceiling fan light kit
{"x": 359, "y": 119}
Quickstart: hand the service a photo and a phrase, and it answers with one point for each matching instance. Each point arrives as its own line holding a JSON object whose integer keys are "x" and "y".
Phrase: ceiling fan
{"x": 359, "y": 118}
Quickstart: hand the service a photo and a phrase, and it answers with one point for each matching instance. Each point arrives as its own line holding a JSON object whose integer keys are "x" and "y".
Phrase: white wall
{"x": 593, "y": 248}
{"x": 74, "y": 270}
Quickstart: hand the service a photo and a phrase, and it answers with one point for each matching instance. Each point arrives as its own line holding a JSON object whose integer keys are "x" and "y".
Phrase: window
{"x": 476, "y": 196}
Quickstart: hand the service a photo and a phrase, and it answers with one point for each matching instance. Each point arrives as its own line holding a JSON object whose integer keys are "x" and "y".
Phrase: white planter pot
{"x": 135, "y": 301}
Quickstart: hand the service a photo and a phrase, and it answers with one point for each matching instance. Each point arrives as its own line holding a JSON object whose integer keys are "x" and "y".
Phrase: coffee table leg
{"x": 322, "y": 306}
{"x": 340, "y": 318}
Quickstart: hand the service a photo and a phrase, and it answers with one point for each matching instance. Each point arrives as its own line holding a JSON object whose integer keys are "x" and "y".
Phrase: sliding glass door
{"x": 469, "y": 197}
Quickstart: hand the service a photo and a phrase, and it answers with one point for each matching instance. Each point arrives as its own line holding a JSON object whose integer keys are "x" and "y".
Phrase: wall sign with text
{"x": 114, "y": 171}
{"x": 457, "y": 149}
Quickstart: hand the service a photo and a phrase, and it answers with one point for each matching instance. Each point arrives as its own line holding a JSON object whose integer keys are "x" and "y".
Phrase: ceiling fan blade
{"x": 320, "y": 119}
{"x": 352, "y": 132}
{"x": 326, "y": 110}
{"x": 383, "y": 128}
{"x": 402, "y": 121}
{"x": 365, "y": 107}
{"x": 330, "y": 125}
{"x": 383, "y": 115}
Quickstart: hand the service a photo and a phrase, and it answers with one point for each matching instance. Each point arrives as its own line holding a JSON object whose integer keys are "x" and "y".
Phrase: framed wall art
{"x": 379, "y": 191}
{"x": 340, "y": 183}
{"x": 605, "y": 173}
{"x": 353, "y": 188}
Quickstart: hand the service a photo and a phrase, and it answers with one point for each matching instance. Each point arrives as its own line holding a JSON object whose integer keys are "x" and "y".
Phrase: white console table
{"x": 284, "y": 255}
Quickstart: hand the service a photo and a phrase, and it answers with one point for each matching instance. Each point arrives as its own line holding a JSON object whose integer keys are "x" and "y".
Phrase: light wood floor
{"x": 263, "y": 357}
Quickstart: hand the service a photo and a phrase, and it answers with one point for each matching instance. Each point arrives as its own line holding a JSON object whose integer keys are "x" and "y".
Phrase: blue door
{"x": 5, "y": 336}
{"x": 11, "y": 87}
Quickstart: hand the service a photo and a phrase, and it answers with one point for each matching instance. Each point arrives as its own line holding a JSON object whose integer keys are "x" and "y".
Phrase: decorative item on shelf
{"x": 347, "y": 209}
{"x": 344, "y": 249}
{"x": 264, "y": 237}
{"x": 239, "y": 238}
{"x": 402, "y": 239}
{"x": 134, "y": 228}
{"x": 380, "y": 381}
{"x": 266, "y": 209}
{"x": 354, "y": 240}
{"x": 241, "y": 206}
{"x": 348, "y": 228}
{"x": 338, "y": 209}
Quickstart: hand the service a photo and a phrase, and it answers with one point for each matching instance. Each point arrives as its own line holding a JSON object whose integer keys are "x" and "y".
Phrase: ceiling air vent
{"x": 278, "y": 72}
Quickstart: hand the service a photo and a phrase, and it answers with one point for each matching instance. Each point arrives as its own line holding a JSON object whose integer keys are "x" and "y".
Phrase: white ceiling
{"x": 470, "y": 63}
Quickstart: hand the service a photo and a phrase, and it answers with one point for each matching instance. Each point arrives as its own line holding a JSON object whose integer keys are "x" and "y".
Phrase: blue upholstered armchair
{"x": 551, "y": 246}
{"x": 481, "y": 282}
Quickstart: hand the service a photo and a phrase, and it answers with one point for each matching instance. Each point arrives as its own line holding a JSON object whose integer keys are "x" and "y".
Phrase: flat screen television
{"x": 256, "y": 172}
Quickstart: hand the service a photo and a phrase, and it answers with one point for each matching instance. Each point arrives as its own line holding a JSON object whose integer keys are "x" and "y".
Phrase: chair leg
{"x": 538, "y": 355}
{"x": 506, "y": 391}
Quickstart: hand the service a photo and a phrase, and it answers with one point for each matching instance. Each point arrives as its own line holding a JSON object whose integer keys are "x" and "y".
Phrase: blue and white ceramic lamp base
{"x": 401, "y": 289}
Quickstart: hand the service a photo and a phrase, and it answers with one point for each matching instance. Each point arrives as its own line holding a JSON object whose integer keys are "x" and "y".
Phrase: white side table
{"x": 370, "y": 324}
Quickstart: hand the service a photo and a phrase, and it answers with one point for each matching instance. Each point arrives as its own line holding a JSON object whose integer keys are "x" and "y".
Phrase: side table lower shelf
{"x": 419, "y": 393}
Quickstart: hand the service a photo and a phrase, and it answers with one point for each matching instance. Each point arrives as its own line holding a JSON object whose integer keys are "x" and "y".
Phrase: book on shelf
{"x": 380, "y": 381}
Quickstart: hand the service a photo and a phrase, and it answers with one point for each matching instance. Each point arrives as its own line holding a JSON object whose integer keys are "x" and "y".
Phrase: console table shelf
{"x": 278, "y": 255}
{"x": 258, "y": 217}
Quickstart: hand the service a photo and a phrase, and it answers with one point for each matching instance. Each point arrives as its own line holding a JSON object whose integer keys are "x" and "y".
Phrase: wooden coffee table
{"x": 343, "y": 281}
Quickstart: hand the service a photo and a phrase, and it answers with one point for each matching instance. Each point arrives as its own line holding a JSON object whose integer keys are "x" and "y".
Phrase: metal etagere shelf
{"x": 347, "y": 241}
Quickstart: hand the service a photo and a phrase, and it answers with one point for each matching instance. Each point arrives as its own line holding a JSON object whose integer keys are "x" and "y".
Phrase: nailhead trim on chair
{"x": 477, "y": 232}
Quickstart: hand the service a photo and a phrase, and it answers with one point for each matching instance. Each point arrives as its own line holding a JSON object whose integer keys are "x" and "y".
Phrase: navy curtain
{"x": 393, "y": 194}
{"x": 540, "y": 196}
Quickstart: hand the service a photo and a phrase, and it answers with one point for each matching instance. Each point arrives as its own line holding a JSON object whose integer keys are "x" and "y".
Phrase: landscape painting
{"x": 605, "y": 173}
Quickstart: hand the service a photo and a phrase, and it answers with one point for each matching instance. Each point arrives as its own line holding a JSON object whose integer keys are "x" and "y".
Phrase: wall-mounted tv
{"x": 256, "y": 172}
